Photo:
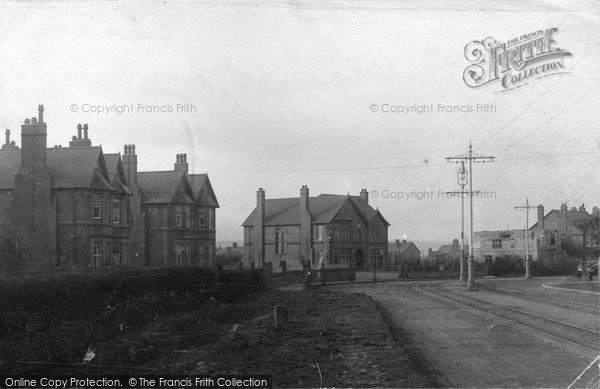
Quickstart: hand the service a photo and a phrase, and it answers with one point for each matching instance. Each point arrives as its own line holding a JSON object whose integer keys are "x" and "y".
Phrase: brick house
{"x": 76, "y": 207}
{"x": 575, "y": 229}
{"x": 339, "y": 231}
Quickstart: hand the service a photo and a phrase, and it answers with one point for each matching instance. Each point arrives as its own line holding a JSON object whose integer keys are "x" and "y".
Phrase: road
{"x": 517, "y": 334}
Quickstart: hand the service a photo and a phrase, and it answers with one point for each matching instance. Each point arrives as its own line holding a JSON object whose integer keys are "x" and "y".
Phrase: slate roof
{"x": 115, "y": 171}
{"x": 323, "y": 208}
{"x": 10, "y": 160}
{"x": 203, "y": 191}
{"x": 404, "y": 245}
{"x": 78, "y": 168}
{"x": 161, "y": 187}
{"x": 574, "y": 218}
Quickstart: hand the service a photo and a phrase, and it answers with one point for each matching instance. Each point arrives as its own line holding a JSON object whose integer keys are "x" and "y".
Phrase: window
{"x": 188, "y": 217}
{"x": 346, "y": 256}
{"x": 211, "y": 219}
{"x": 97, "y": 206}
{"x": 359, "y": 232}
{"x": 116, "y": 211}
{"x": 96, "y": 254}
{"x": 179, "y": 255}
{"x": 178, "y": 217}
{"x": 280, "y": 241}
{"x": 202, "y": 218}
{"x": 505, "y": 235}
{"x": 116, "y": 253}
{"x": 346, "y": 230}
{"x": 318, "y": 233}
{"x": 496, "y": 243}
{"x": 552, "y": 240}
{"x": 203, "y": 257}
{"x": 336, "y": 257}
{"x": 489, "y": 259}
{"x": 376, "y": 234}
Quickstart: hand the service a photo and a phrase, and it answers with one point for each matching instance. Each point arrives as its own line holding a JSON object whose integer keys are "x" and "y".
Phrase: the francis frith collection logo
{"x": 514, "y": 63}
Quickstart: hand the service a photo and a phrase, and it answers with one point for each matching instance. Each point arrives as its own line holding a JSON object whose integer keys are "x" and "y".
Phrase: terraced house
{"x": 76, "y": 207}
{"x": 335, "y": 230}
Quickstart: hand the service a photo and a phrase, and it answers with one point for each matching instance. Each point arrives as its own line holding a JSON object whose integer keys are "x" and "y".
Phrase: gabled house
{"x": 575, "y": 229}
{"x": 447, "y": 254}
{"x": 403, "y": 251}
{"x": 76, "y": 207}
{"x": 333, "y": 230}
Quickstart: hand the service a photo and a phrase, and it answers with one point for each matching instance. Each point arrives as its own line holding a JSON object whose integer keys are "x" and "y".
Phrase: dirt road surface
{"x": 500, "y": 337}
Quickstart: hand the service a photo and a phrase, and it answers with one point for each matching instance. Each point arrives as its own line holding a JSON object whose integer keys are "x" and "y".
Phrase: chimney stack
{"x": 81, "y": 141}
{"x": 9, "y": 144}
{"x": 364, "y": 195}
{"x": 258, "y": 227}
{"x": 540, "y": 216}
{"x": 582, "y": 208}
{"x": 305, "y": 223}
{"x": 181, "y": 164}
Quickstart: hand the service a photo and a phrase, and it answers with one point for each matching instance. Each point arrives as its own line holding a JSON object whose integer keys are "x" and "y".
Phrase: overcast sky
{"x": 284, "y": 93}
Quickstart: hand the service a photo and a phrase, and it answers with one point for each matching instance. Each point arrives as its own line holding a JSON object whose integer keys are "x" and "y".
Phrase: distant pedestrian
{"x": 307, "y": 280}
{"x": 579, "y": 270}
{"x": 590, "y": 274}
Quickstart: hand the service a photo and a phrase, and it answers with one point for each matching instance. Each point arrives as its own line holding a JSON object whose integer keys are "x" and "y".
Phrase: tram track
{"x": 569, "y": 333}
{"x": 555, "y": 301}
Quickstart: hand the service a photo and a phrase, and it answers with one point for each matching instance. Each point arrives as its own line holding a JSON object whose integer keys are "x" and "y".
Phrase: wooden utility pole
{"x": 471, "y": 157}
{"x": 526, "y": 207}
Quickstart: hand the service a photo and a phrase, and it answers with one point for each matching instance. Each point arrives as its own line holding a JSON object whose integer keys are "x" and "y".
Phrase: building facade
{"x": 403, "y": 252}
{"x": 561, "y": 231}
{"x": 328, "y": 230}
{"x": 576, "y": 228}
{"x": 76, "y": 207}
{"x": 448, "y": 255}
{"x": 544, "y": 245}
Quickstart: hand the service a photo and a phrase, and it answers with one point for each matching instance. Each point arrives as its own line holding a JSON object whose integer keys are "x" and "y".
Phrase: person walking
{"x": 579, "y": 269}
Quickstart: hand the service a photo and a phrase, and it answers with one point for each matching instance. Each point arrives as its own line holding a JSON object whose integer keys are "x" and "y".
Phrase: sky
{"x": 279, "y": 94}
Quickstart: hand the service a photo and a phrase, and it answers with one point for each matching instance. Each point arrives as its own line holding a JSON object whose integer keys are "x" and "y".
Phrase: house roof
{"x": 164, "y": 187}
{"x": 203, "y": 191}
{"x": 323, "y": 208}
{"x": 78, "y": 168}
{"x": 445, "y": 249}
{"x": 400, "y": 249}
{"x": 575, "y": 218}
{"x": 10, "y": 160}
{"x": 116, "y": 173}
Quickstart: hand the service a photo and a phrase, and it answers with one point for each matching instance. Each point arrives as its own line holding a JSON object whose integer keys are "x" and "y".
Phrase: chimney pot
{"x": 27, "y": 121}
{"x": 79, "y": 131}
{"x": 85, "y": 131}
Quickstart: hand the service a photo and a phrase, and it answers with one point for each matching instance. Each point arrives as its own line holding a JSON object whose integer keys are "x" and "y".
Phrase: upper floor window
{"x": 318, "y": 233}
{"x": 188, "y": 217}
{"x": 280, "y": 241}
{"x": 496, "y": 243}
{"x": 202, "y": 217}
{"x": 211, "y": 218}
{"x": 346, "y": 230}
{"x": 178, "y": 217}
{"x": 116, "y": 211}
{"x": 97, "y": 206}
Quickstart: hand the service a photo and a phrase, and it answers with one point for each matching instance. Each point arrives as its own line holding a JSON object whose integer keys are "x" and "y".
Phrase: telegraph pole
{"x": 526, "y": 207}
{"x": 471, "y": 157}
